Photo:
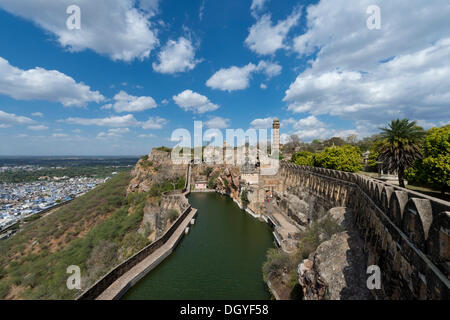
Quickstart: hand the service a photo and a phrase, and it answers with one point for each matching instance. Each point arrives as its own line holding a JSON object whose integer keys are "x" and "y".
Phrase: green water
{"x": 220, "y": 258}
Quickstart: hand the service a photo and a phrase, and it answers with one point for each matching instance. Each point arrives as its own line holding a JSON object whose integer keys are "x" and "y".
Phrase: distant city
{"x": 30, "y": 187}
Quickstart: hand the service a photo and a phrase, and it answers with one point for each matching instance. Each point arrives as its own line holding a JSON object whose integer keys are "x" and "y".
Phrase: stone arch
{"x": 438, "y": 242}
{"x": 416, "y": 221}
{"x": 386, "y": 198}
{"x": 398, "y": 203}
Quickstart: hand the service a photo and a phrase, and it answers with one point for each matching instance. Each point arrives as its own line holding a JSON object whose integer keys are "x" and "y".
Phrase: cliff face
{"x": 337, "y": 269}
{"x": 150, "y": 169}
{"x": 224, "y": 179}
{"x": 159, "y": 210}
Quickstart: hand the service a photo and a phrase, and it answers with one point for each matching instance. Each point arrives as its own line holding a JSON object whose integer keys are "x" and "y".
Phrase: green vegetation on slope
{"x": 71, "y": 172}
{"x": 280, "y": 265}
{"x": 35, "y": 260}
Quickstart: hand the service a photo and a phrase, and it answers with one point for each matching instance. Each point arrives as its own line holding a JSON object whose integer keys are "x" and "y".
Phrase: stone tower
{"x": 276, "y": 137}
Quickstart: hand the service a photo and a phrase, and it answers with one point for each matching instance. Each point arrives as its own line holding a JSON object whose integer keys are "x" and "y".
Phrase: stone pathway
{"x": 152, "y": 260}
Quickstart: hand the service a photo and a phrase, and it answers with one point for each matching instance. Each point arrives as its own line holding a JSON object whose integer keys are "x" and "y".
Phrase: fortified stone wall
{"x": 407, "y": 234}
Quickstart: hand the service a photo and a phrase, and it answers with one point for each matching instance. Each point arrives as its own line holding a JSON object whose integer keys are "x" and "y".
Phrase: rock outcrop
{"x": 337, "y": 269}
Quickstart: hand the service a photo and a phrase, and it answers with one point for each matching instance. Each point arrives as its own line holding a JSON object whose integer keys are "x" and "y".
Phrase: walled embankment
{"x": 407, "y": 234}
{"x": 117, "y": 281}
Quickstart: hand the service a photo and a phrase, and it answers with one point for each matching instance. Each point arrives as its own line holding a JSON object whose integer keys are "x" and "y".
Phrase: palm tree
{"x": 400, "y": 146}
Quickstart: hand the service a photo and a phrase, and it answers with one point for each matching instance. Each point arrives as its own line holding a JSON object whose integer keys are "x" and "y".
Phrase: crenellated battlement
{"x": 406, "y": 233}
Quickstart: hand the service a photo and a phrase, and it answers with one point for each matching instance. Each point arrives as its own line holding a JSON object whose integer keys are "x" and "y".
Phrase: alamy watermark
{"x": 74, "y": 280}
{"x": 243, "y": 147}
{"x": 373, "y": 22}
{"x": 374, "y": 280}
{"x": 73, "y": 22}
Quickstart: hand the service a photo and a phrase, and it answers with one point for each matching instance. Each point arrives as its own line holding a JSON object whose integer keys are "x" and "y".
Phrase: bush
{"x": 4, "y": 289}
{"x": 434, "y": 168}
{"x": 276, "y": 261}
{"x": 244, "y": 197}
{"x": 304, "y": 158}
{"x": 172, "y": 215}
{"x": 345, "y": 158}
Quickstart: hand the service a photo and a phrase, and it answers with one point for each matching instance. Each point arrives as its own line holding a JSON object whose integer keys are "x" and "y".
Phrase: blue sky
{"x": 137, "y": 70}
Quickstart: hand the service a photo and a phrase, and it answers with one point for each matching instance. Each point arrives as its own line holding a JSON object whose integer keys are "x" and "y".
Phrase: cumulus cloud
{"x": 42, "y": 84}
{"x": 311, "y": 127}
{"x": 154, "y": 123}
{"x": 150, "y": 135}
{"x": 38, "y": 114}
{"x": 189, "y": 100}
{"x": 270, "y": 69}
{"x": 262, "y": 123}
{"x": 115, "y": 132}
{"x": 266, "y": 38}
{"x": 230, "y": 79}
{"x": 11, "y": 118}
{"x": 217, "y": 123}
{"x": 257, "y": 5}
{"x": 128, "y": 103}
{"x": 176, "y": 56}
{"x": 115, "y": 28}
{"x": 367, "y": 75}
{"x": 116, "y": 121}
{"x": 413, "y": 85}
{"x": 238, "y": 78}
{"x": 38, "y": 128}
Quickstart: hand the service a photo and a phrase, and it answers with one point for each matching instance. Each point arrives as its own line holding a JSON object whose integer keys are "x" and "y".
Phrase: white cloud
{"x": 373, "y": 76}
{"x": 266, "y": 38}
{"x": 154, "y": 123}
{"x": 42, "y": 84}
{"x": 38, "y": 114}
{"x": 176, "y": 56}
{"x": 270, "y": 69}
{"x": 114, "y": 28}
{"x": 257, "y": 5}
{"x": 309, "y": 122}
{"x": 128, "y": 103}
{"x": 217, "y": 123}
{"x": 151, "y": 6}
{"x": 116, "y": 121}
{"x": 262, "y": 123}
{"x": 415, "y": 85}
{"x": 238, "y": 78}
{"x": 150, "y": 135}
{"x": 189, "y": 100}
{"x": 233, "y": 78}
{"x": 59, "y": 135}
{"x": 115, "y": 132}
{"x": 38, "y": 128}
{"x": 119, "y": 122}
{"x": 310, "y": 128}
{"x": 11, "y": 118}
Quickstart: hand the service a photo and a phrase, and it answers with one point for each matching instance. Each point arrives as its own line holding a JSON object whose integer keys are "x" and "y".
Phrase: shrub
{"x": 345, "y": 158}
{"x": 276, "y": 261}
{"x": 172, "y": 215}
{"x": 304, "y": 158}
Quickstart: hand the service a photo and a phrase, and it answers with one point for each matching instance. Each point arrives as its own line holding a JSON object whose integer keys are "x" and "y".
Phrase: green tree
{"x": 244, "y": 197}
{"x": 303, "y": 158}
{"x": 345, "y": 158}
{"x": 434, "y": 168}
{"x": 400, "y": 147}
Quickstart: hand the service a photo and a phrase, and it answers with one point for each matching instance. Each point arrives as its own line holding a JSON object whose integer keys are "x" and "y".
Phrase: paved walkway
{"x": 148, "y": 263}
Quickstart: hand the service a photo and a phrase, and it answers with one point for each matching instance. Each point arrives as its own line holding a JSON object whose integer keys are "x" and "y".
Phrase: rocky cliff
{"x": 336, "y": 270}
